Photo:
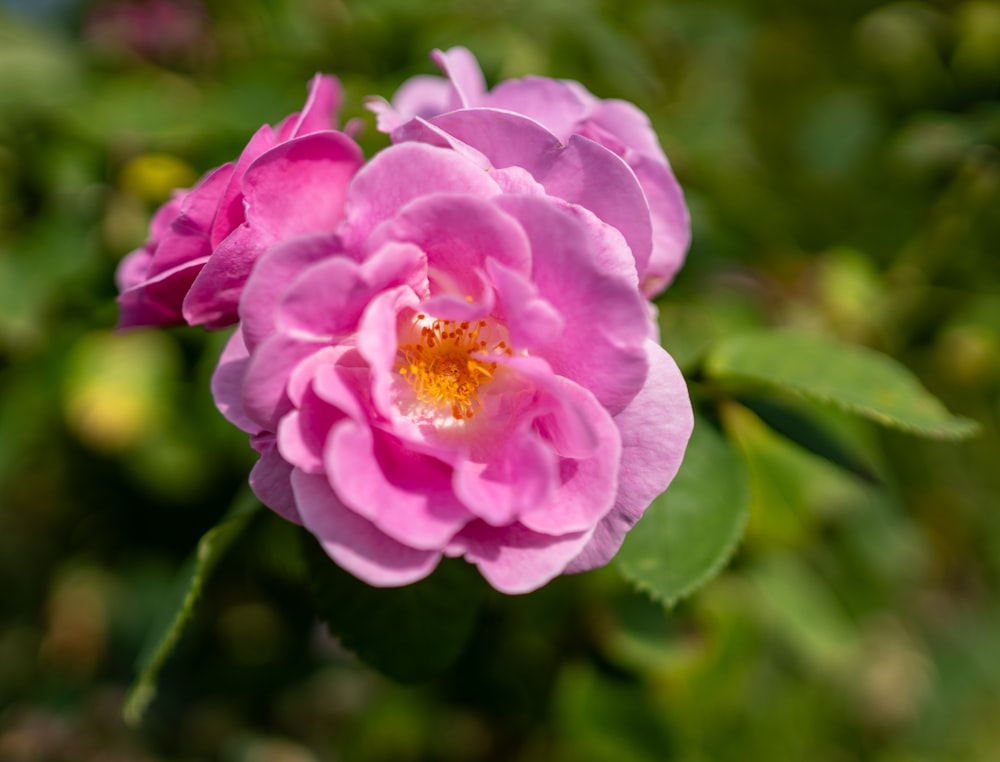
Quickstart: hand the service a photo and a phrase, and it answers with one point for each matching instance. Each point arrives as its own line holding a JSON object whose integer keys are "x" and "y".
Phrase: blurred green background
{"x": 841, "y": 164}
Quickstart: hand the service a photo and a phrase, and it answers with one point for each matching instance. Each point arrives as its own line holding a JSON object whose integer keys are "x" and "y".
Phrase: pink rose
{"x": 428, "y": 108}
{"x": 461, "y": 368}
{"x": 204, "y": 241}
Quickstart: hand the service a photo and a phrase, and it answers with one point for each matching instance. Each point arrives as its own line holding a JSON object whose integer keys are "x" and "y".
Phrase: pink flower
{"x": 462, "y": 368}
{"x": 204, "y": 241}
{"x": 433, "y": 109}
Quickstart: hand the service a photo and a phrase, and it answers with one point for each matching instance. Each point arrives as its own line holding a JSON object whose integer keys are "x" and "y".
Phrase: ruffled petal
{"x": 655, "y": 428}
{"x": 601, "y": 347}
{"x": 407, "y": 495}
{"x": 397, "y": 176}
{"x": 270, "y": 480}
{"x": 353, "y": 542}
{"x": 514, "y": 559}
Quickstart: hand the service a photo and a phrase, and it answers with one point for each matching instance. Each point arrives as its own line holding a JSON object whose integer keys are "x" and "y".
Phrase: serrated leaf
{"x": 410, "y": 633}
{"x": 689, "y": 532}
{"x": 179, "y": 608}
{"x": 853, "y": 378}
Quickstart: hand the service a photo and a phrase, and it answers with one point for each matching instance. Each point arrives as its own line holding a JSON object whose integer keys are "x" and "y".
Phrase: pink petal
{"x": 270, "y": 480}
{"x": 406, "y": 495}
{"x": 353, "y": 542}
{"x": 601, "y": 347}
{"x": 276, "y": 269}
{"x": 265, "y": 393}
{"x": 187, "y": 236}
{"x": 320, "y": 111}
{"x": 671, "y": 222}
{"x": 402, "y": 173}
{"x": 294, "y": 189}
{"x": 422, "y": 96}
{"x": 519, "y": 474}
{"x": 462, "y": 69}
{"x": 580, "y": 172}
{"x": 299, "y": 186}
{"x": 157, "y": 301}
{"x": 327, "y": 300}
{"x": 531, "y": 322}
{"x": 459, "y": 233}
{"x": 655, "y": 428}
{"x": 553, "y": 104}
{"x": 514, "y": 559}
{"x": 227, "y": 383}
{"x": 231, "y": 213}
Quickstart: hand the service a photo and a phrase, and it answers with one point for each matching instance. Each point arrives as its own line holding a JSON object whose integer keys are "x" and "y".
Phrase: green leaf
{"x": 794, "y": 420}
{"x": 410, "y": 633}
{"x": 178, "y": 611}
{"x": 850, "y": 377}
{"x": 689, "y": 532}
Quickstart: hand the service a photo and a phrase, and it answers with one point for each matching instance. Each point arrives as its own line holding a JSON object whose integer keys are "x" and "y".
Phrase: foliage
{"x": 841, "y": 165}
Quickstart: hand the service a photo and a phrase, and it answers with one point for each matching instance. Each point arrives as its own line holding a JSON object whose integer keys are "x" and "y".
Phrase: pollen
{"x": 447, "y": 362}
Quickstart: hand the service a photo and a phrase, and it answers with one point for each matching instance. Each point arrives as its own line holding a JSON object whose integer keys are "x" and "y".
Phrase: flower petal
{"x": 406, "y": 495}
{"x": 462, "y": 70}
{"x": 353, "y": 542}
{"x": 605, "y": 318}
{"x": 514, "y": 559}
{"x": 270, "y": 479}
{"x": 276, "y": 269}
{"x": 402, "y": 173}
{"x": 655, "y": 428}
{"x": 520, "y": 473}
{"x": 227, "y": 383}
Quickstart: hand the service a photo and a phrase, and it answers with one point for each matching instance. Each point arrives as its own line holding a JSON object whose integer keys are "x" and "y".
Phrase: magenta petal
{"x": 213, "y": 298}
{"x": 422, "y": 96}
{"x": 265, "y": 392}
{"x": 303, "y": 432}
{"x": 187, "y": 236}
{"x": 277, "y": 268}
{"x": 406, "y": 495}
{"x": 230, "y": 213}
{"x": 270, "y": 480}
{"x": 377, "y": 343}
{"x": 322, "y": 105}
{"x": 227, "y": 383}
{"x": 299, "y": 186}
{"x": 627, "y": 123}
{"x": 588, "y": 485}
{"x": 514, "y": 559}
{"x": 655, "y": 428}
{"x": 157, "y": 301}
{"x": 353, "y": 542}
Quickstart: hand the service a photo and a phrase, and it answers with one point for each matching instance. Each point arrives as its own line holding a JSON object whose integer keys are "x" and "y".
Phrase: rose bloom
{"x": 439, "y": 110}
{"x": 462, "y": 368}
{"x": 288, "y": 181}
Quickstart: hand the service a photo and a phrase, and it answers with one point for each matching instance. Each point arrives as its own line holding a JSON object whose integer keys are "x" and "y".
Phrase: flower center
{"x": 446, "y": 362}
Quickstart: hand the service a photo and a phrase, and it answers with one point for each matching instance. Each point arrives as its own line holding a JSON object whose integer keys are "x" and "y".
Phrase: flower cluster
{"x": 447, "y": 350}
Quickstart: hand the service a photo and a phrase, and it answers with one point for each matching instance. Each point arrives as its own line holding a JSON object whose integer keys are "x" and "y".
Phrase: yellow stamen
{"x": 444, "y": 363}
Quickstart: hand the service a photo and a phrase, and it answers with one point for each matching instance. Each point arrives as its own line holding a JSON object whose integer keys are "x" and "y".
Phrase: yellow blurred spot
{"x": 152, "y": 176}
{"x": 117, "y": 387}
